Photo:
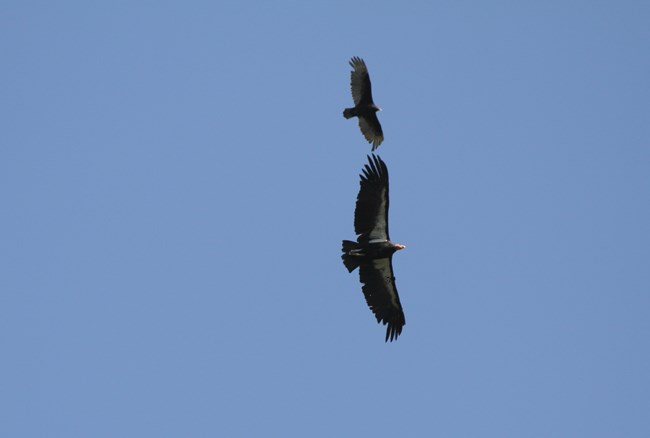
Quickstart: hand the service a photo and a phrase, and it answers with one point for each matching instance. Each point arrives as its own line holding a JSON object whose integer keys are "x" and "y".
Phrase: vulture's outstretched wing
{"x": 371, "y": 129}
{"x": 360, "y": 82}
{"x": 371, "y": 212}
{"x": 381, "y": 295}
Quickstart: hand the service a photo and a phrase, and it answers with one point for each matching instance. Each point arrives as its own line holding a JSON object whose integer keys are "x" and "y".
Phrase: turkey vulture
{"x": 373, "y": 251}
{"x": 365, "y": 109}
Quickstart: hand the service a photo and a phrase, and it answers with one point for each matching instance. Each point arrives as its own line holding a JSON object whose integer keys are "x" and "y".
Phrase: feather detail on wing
{"x": 371, "y": 129}
{"x": 360, "y": 82}
{"x": 371, "y": 213}
{"x": 381, "y": 295}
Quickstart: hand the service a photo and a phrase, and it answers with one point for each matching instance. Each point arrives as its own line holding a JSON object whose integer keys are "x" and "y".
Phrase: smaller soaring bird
{"x": 365, "y": 109}
{"x": 373, "y": 251}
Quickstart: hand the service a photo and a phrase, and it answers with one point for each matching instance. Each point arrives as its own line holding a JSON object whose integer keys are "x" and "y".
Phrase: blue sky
{"x": 177, "y": 178}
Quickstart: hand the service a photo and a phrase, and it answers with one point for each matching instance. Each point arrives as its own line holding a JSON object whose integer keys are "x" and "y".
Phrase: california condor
{"x": 373, "y": 251}
{"x": 365, "y": 109}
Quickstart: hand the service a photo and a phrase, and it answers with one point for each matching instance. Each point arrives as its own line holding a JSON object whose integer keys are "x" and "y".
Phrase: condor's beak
{"x": 399, "y": 246}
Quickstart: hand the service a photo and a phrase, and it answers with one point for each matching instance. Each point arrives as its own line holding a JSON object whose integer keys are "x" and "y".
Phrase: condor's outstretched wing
{"x": 371, "y": 213}
{"x": 360, "y": 82}
{"x": 381, "y": 295}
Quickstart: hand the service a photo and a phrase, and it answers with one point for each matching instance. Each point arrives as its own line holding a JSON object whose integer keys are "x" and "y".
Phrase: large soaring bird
{"x": 373, "y": 251}
{"x": 365, "y": 109}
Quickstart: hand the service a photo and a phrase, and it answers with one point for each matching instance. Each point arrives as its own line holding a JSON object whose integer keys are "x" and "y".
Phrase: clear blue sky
{"x": 176, "y": 179}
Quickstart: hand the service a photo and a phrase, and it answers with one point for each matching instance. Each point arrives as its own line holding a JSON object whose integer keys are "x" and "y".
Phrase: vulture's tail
{"x": 348, "y": 113}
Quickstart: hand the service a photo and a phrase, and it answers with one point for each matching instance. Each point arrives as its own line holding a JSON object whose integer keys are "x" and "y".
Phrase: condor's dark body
{"x": 355, "y": 253}
{"x": 373, "y": 251}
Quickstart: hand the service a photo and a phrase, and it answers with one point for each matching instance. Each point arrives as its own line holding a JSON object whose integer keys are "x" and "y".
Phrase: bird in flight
{"x": 364, "y": 107}
{"x": 373, "y": 251}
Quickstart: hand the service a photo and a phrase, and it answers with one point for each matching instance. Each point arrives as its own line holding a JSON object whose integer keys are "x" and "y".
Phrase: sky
{"x": 176, "y": 179}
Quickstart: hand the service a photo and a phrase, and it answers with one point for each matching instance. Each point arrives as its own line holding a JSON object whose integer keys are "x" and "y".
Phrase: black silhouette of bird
{"x": 373, "y": 251}
{"x": 364, "y": 107}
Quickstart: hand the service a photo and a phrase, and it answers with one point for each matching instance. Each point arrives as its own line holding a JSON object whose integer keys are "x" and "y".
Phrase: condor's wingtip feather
{"x": 375, "y": 170}
{"x": 393, "y": 332}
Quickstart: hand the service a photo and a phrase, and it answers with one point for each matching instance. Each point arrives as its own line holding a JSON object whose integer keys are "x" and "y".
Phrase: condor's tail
{"x": 348, "y": 113}
{"x": 351, "y": 262}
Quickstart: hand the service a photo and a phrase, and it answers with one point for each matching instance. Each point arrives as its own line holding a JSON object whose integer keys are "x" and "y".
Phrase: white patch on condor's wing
{"x": 383, "y": 266}
{"x": 380, "y": 230}
{"x": 377, "y": 240}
